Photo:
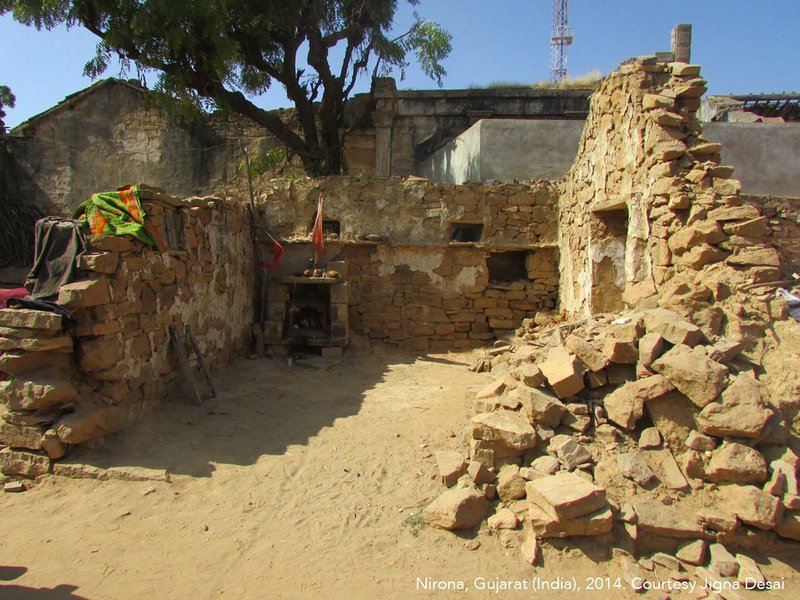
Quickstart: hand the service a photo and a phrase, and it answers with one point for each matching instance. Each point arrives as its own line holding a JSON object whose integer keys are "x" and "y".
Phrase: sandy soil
{"x": 300, "y": 482}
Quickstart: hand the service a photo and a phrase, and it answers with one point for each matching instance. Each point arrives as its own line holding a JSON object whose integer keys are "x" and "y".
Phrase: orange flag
{"x": 316, "y": 234}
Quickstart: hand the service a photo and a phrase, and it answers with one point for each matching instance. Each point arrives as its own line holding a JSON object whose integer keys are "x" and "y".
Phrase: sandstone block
{"x": 545, "y": 525}
{"x": 698, "y": 441}
{"x": 737, "y": 464}
{"x": 563, "y": 372}
{"x": 479, "y": 474}
{"x": 672, "y": 327}
{"x": 92, "y": 292}
{"x": 100, "y": 353}
{"x": 636, "y": 469}
{"x": 744, "y": 212}
{"x": 751, "y": 505}
{"x": 753, "y": 228}
{"x": 530, "y": 375}
{"x": 666, "y": 521}
{"x": 723, "y": 561}
{"x": 749, "y": 572}
{"x": 37, "y": 390}
{"x": 105, "y": 262}
{"x": 741, "y": 413}
{"x": 504, "y": 518}
{"x": 492, "y": 389}
{"x": 744, "y": 257}
{"x": 505, "y": 430}
{"x": 593, "y": 358}
{"x": 789, "y": 527}
{"x": 458, "y": 508}
{"x": 649, "y": 438}
{"x": 17, "y": 463}
{"x": 88, "y": 423}
{"x": 693, "y": 553}
{"x": 510, "y": 484}
{"x": 20, "y": 436}
{"x": 451, "y": 465}
{"x": 694, "y": 374}
{"x": 651, "y": 346}
{"x": 704, "y": 232}
{"x": 565, "y": 496}
{"x": 52, "y": 445}
{"x": 38, "y": 344}
{"x": 30, "y": 319}
{"x": 546, "y": 465}
{"x": 539, "y": 407}
{"x": 625, "y": 405}
{"x": 617, "y": 351}
{"x": 571, "y": 455}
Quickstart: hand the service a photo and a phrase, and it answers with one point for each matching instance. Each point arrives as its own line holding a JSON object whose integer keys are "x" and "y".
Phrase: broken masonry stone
{"x": 593, "y": 358}
{"x": 565, "y": 496}
{"x": 654, "y": 518}
{"x": 563, "y": 372}
{"x": 510, "y": 484}
{"x": 617, "y": 351}
{"x": 789, "y": 527}
{"x": 545, "y": 525}
{"x": 749, "y": 573}
{"x": 30, "y": 319}
{"x": 672, "y": 327}
{"x": 504, "y": 518}
{"x": 37, "y": 391}
{"x": 88, "y": 423}
{"x": 530, "y": 375}
{"x": 649, "y": 438}
{"x": 694, "y": 374}
{"x": 546, "y": 465}
{"x": 742, "y": 412}
{"x": 700, "y": 442}
{"x": 86, "y": 293}
{"x": 625, "y": 405}
{"x": 451, "y": 465}
{"x": 458, "y": 508}
{"x": 693, "y": 553}
{"x": 736, "y": 463}
{"x": 752, "y": 505}
{"x": 18, "y": 463}
{"x": 651, "y": 346}
{"x": 636, "y": 469}
{"x": 539, "y": 407}
{"x": 505, "y": 428}
{"x": 479, "y": 474}
{"x": 723, "y": 561}
{"x": 571, "y": 455}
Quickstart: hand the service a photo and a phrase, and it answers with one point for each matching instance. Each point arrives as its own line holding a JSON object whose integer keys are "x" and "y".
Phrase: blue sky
{"x": 743, "y": 45}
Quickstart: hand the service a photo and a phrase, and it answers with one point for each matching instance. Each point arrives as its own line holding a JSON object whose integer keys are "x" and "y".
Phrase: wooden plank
{"x": 200, "y": 362}
{"x": 184, "y": 362}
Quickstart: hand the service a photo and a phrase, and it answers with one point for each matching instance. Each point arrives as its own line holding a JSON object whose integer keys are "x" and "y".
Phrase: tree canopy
{"x": 221, "y": 53}
{"x": 6, "y": 99}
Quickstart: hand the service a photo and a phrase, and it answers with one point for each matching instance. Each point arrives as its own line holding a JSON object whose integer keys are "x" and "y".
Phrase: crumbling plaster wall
{"x": 408, "y": 282}
{"x": 644, "y": 166}
{"x": 68, "y": 387}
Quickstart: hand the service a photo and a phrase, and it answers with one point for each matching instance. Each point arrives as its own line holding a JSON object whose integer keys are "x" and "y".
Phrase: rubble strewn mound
{"x": 667, "y": 441}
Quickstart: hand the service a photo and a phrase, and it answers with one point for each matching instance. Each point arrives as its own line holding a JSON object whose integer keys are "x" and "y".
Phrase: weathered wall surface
{"x": 766, "y": 155}
{"x": 112, "y": 135}
{"x": 413, "y": 285}
{"x": 68, "y": 387}
{"x": 647, "y": 208}
{"x": 506, "y": 150}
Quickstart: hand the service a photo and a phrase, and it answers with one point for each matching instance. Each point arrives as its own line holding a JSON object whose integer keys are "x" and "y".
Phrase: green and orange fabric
{"x": 119, "y": 213}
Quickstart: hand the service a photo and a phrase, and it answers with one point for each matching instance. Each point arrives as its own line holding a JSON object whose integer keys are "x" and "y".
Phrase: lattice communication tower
{"x": 561, "y": 38}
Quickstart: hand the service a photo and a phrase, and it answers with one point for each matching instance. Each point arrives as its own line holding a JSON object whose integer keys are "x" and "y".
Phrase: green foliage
{"x": 415, "y": 523}
{"x": 6, "y": 99}
{"x": 267, "y": 162}
{"x": 218, "y": 53}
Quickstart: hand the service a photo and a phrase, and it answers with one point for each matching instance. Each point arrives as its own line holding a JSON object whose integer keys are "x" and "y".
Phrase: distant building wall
{"x": 506, "y": 150}
{"x": 766, "y": 155}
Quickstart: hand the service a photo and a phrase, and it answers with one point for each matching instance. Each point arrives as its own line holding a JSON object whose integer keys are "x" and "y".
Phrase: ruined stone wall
{"x": 647, "y": 209}
{"x": 68, "y": 387}
{"x": 784, "y": 222}
{"x": 409, "y": 283}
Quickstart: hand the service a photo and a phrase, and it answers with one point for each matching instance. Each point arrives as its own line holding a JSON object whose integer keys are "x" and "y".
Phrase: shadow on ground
{"x": 263, "y": 406}
{"x": 22, "y": 592}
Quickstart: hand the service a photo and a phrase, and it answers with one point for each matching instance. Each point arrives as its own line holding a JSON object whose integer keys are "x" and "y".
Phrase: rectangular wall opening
{"x": 466, "y": 232}
{"x": 507, "y": 266}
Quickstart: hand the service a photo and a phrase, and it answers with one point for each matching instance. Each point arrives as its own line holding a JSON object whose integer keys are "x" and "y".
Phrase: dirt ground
{"x": 301, "y": 482}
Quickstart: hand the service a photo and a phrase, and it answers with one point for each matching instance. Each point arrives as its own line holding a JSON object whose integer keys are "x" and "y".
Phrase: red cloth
{"x": 316, "y": 233}
{"x": 276, "y": 259}
{"x": 6, "y": 295}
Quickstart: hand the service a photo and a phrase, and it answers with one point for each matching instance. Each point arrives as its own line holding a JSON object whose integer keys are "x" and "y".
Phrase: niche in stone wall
{"x": 466, "y": 232}
{"x": 607, "y": 242}
{"x": 507, "y": 266}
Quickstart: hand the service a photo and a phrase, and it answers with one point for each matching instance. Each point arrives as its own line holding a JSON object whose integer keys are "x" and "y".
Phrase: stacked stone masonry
{"x": 408, "y": 282}
{"x": 70, "y": 386}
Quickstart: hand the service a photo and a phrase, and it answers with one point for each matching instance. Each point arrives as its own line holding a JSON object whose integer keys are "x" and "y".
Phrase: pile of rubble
{"x": 639, "y": 428}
